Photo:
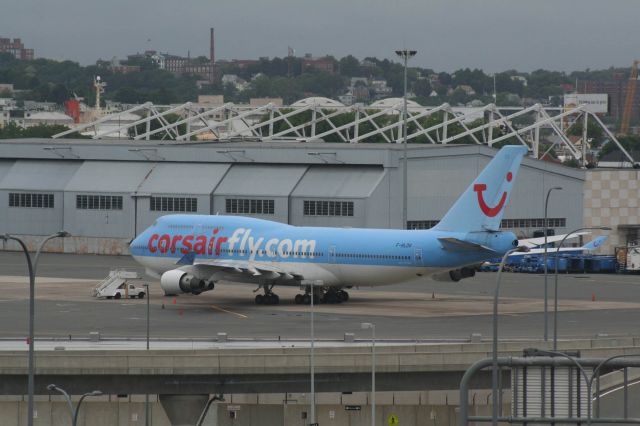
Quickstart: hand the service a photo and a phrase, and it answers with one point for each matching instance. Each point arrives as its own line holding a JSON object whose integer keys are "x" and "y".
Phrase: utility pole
{"x": 405, "y": 54}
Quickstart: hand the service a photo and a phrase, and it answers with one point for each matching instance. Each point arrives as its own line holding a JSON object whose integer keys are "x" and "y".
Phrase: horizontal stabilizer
{"x": 454, "y": 244}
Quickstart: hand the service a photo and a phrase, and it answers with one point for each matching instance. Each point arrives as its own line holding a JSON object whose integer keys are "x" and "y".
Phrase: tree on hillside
{"x": 13, "y": 131}
{"x": 630, "y": 143}
{"x": 350, "y": 67}
{"x": 594, "y": 131}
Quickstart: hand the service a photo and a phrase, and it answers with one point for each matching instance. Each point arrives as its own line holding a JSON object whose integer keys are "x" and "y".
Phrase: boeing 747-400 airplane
{"x": 191, "y": 252}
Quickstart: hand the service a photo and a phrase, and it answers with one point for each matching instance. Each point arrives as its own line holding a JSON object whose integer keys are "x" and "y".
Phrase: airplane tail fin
{"x": 595, "y": 243}
{"x": 481, "y": 206}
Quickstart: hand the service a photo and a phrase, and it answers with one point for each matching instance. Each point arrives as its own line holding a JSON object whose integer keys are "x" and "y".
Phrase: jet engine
{"x": 455, "y": 275}
{"x": 176, "y": 281}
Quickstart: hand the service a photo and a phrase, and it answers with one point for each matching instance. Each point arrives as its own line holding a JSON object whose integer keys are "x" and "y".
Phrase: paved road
{"x": 417, "y": 310}
{"x": 612, "y": 403}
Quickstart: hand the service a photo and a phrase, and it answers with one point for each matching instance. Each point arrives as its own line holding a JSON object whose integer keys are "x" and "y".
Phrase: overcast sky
{"x": 494, "y": 35}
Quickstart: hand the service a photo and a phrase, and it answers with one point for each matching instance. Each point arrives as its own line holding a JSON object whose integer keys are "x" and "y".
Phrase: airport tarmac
{"x": 420, "y": 310}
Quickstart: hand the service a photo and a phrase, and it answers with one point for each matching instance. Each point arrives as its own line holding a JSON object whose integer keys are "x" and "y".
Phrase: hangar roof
{"x": 39, "y": 175}
{"x": 339, "y": 182}
{"x": 266, "y": 152}
{"x": 194, "y": 178}
{"x": 256, "y": 180}
{"x": 109, "y": 176}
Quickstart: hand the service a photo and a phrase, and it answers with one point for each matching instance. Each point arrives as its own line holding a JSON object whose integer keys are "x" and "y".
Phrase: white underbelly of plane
{"x": 377, "y": 275}
{"x": 332, "y": 274}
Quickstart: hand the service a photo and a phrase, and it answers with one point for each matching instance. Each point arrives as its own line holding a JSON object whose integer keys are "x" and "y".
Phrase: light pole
{"x": 312, "y": 361}
{"x": 74, "y": 413}
{"x": 555, "y": 289}
{"x": 32, "y": 266}
{"x": 495, "y": 94}
{"x": 405, "y": 54}
{"x": 546, "y": 298}
{"x": 496, "y": 296}
{"x": 146, "y": 402}
{"x": 372, "y": 326}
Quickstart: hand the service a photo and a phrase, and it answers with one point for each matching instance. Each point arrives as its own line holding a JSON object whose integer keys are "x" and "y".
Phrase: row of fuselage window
{"x": 316, "y": 254}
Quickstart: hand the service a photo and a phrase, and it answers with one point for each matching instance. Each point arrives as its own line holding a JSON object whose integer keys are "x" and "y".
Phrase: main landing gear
{"x": 330, "y": 295}
{"x": 268, "y": 298}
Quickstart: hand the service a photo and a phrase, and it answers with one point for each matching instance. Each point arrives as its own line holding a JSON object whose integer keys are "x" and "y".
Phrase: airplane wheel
{"x": 331, "y": 298}
{"x": 298, "y": 299}
{"x": 343, "y": 295}
{"x": 273, "y": 299}
{"x": 260, "y": 299}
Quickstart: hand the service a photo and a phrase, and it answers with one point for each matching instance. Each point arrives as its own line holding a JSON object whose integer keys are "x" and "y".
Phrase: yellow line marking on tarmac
{"x": 229, "y": 312}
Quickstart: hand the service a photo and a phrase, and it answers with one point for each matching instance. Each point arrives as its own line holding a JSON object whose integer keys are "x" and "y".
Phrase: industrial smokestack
{"x": 212, "y": 55}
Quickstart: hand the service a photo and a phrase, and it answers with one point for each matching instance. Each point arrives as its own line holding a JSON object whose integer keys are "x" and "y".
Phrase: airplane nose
{"x": 136, "y": 244}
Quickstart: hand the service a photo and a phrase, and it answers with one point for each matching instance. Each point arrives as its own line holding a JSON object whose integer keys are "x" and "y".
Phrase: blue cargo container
{"x": 576, "y": 264}
{"x": 602, "y": 264}
{"x": 560, "y": 260}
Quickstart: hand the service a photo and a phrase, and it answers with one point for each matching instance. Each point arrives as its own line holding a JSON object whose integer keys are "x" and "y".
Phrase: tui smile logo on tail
{"x": 479, "y": 188}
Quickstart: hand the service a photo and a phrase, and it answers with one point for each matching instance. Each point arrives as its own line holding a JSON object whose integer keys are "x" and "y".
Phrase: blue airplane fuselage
{"x": 341, "y": 256}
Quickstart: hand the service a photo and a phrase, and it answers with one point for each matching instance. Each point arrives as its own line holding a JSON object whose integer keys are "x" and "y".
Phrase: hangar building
{"x": 105, "y": 192}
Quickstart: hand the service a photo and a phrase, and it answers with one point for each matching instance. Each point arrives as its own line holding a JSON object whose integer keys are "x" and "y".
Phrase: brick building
{"x": 326, "y": 63}
{"x": 16, "y": 48}
{"x": 617, "y": 91}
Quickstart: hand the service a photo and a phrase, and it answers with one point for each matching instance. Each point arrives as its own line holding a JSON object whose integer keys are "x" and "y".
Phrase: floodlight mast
{"x": 405, "y": 54}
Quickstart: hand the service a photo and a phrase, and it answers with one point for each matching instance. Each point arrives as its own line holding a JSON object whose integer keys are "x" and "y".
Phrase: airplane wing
{"x": 240, "y": 268}
{"x": 535, "y": 242}
{"x": 593, "y": 245}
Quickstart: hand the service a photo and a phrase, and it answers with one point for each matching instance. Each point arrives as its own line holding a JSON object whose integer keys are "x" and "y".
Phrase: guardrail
{"x": 551, "y": 387}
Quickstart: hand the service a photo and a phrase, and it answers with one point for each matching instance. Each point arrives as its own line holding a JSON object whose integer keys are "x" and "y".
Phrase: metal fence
{"x": 556, "y": 388}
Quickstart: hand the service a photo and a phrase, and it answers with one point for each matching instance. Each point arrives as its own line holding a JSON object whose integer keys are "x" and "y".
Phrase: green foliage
{"x": 56, "y": 81}
{"x": 156, "y": 124}
{"x": 478, "y": 80}
{"x": 629, "y": 143}
{"x": 571, "y": 162}
{"x": 312, "y": 83}
{"x": 350, "y": 67}
{"x": 543, "y": 84}
{"x": 13, "y": 131}
{"x": 594, "y": 132}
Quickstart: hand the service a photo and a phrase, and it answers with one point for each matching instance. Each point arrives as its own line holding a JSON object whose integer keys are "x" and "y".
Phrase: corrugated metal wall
{"x": 336, "y": 183}
{"x": 177, "y": 180}
{"x": 437, "y": 176}
{"x": 260, "y": 182}
{"x": 30, "y": 179}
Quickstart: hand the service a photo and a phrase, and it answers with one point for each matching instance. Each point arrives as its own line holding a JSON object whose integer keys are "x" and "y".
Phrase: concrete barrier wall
{"x": 286, "y": 409}
{"x": 103, "y": 411}
{"x": 348, "y": 359}
{"x": 76, "y": 245}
